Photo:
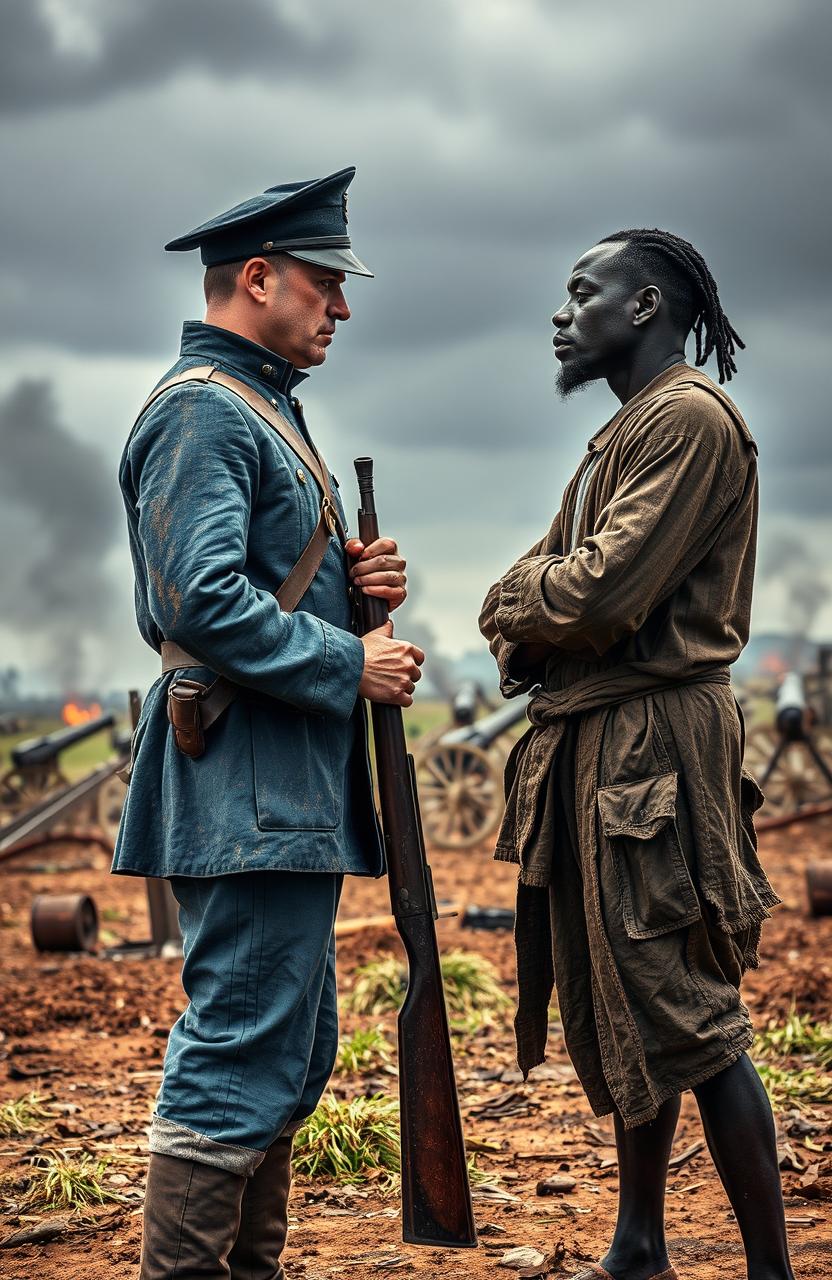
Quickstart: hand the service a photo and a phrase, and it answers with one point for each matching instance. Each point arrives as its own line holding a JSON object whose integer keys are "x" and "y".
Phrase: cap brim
{"x": 334, "y": 259}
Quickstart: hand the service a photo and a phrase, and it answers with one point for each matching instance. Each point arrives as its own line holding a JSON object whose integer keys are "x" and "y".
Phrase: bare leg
{"x": 638, "y": 1250}
{"x": 739, "y": 1128}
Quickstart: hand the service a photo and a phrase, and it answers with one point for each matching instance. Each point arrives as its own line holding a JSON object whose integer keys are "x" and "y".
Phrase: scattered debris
{"x": 556, "y": 1185}
{"x": 514, "y": 1102}
{"x": 522, "y": 1259}
{"x": 816, "y": 1183}
{"x": 676, "y": 1162}
{"x": 55, "y": 1228}
{"x": 787, "y": 1158}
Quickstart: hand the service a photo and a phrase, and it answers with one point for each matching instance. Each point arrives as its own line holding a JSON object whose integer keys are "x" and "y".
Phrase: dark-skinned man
{"x": 640, "y": 894}
{"x": 255, "y": 800}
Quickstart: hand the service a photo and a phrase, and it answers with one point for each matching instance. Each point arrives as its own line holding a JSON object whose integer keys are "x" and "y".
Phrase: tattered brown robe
{"x": 627, "y": 810}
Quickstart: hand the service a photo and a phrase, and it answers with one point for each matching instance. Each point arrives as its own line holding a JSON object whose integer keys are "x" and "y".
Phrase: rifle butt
{"x": 436, "y": 1197}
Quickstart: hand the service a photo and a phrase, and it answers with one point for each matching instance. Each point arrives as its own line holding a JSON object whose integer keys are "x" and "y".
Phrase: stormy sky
{"x": 495, "y": 140}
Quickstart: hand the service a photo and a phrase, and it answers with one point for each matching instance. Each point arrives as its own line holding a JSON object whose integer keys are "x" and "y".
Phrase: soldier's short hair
{"x": 220, "y": 282}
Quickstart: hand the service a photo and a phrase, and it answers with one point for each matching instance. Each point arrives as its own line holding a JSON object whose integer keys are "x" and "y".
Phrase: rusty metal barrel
{"x": 64, "y": 922}
{"x": 819, "y": 886}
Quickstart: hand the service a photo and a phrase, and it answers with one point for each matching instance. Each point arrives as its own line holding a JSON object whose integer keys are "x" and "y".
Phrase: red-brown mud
{"x": 89, "y": 1034}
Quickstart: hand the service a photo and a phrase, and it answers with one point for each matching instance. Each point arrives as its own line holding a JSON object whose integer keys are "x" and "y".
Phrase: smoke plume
{"x": 438, "y": 667}
{"x": 793, "y": 562}
{"x": 60, "y": 516}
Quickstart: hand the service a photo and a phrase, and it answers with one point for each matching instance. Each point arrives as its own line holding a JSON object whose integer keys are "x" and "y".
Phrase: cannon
{"x": 460, "y": 778}
{"x": 35, "y": 767}
{"x": 465, "y": 702}
{"x": 37, "y": 798}
{"x": 791, "y": 759}
{"x": 69, "y": 922}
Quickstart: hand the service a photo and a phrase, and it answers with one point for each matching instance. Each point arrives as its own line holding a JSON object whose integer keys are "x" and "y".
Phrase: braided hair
{"x": 689, "y": 288}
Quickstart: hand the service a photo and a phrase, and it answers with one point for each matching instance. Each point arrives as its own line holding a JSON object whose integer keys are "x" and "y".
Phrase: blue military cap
{"x": 305, "y": 219}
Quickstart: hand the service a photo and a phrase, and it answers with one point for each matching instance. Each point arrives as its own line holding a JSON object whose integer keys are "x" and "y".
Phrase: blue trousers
{"x": 251, "y": 1055}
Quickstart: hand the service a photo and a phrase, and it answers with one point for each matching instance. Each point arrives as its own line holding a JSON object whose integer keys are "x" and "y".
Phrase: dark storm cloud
{"x": 493, "y": 147}
{"x": 798, "y": 567}
{"x": 60, "y": 517}
{"x": 495, "y": 141}
{"x": 132, "y": 45}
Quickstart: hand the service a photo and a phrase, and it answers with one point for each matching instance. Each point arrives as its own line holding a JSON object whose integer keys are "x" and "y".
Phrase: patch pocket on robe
{"x": 639, "y": 821}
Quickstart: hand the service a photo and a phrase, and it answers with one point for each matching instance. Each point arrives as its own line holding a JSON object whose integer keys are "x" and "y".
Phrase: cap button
{"x": 268, "y": 244}
{"x": 267, "y": 370}
{"x": 300, "y": 475}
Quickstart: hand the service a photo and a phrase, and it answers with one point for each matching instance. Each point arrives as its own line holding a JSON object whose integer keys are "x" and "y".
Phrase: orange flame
{"x": 74, "y": 714}
{"x": 773, "y": 664}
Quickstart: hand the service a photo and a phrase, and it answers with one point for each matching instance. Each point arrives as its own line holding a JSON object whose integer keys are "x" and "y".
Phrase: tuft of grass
{"x": 365, "y": 1050}
{"x": 785, "y": 1086}
{"x": 114, "y": 915}
{"x": 68, "y": 1180}
{"x": 480, "y": 1177}
{"x": 351, "y": 1142}
{"x": 379, "y": 986}
{"x": 23, "y": 1115}
{"x": 472, "y": 988}
{"x": 798, "y": 1036}
{"x": 359, "y": 1141}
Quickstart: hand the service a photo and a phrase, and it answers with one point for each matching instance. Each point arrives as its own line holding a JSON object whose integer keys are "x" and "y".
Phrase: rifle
{"x": 436, "y": 1196}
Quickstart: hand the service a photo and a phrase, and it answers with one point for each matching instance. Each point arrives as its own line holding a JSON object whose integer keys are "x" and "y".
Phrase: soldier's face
{"x": 595, "y": 331}
{"x": 303, "y": 303}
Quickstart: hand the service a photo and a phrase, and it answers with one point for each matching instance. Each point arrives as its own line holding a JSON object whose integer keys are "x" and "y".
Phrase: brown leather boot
{"x": 264, "y": 1217}
{"x": 191, "y": 1219}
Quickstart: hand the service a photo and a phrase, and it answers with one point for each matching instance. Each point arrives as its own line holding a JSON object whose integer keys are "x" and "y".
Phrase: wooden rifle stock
{"x": 436, "y": 1196}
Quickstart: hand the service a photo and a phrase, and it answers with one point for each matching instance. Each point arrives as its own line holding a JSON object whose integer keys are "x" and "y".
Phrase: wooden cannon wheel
{"x": 796, "y": 779}
{"x": 460, "y": 793}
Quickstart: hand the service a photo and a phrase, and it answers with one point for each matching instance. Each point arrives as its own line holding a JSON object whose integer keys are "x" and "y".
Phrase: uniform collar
{"x": 239, "y": 354}
{"x": 676, "y": 373}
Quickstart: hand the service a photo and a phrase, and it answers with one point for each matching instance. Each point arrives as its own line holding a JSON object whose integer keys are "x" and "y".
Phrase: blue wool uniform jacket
{"x": 219, "y": 509}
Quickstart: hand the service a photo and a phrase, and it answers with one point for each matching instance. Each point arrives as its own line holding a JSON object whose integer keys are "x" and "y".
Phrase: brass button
{"x": 267, "y": 370}
{"x": 268, "y": 244}
{"x": 301, "y": 475}
{"x": 274, "y": 404}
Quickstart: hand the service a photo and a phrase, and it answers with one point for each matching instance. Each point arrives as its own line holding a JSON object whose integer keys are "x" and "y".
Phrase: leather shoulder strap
{"x": 300, "y": 577}
{"x": 259, "y": 405}
{"x": 222, "y": 692}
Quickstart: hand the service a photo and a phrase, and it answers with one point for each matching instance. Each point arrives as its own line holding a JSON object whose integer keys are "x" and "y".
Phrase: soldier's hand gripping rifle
{"x": 436, "y": 1197}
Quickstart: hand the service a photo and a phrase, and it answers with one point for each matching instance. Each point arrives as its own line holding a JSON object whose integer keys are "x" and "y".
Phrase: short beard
{"x": 574, "y": 375}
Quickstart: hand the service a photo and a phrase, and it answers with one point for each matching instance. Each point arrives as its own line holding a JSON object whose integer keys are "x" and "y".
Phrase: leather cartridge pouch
{"x": 185, "y": 716}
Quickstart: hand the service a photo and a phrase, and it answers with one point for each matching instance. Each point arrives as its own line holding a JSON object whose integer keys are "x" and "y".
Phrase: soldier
{"x": 640, "y": 891}
{"x": 256, "y": 799}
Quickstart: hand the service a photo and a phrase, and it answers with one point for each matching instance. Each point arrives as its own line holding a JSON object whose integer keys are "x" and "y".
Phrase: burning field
{"x": 83, "y": 1040}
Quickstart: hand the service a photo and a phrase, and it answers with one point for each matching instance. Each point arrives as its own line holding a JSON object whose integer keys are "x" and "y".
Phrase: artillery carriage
{"x": 460, "y": 775}
{"x": 460, "y": 768}
{"x": 792, "y": 758}
{"x": 37, "y": 798}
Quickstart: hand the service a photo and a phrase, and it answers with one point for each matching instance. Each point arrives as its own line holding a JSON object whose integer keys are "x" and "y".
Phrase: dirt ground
{"x": 89, "y": 1033}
